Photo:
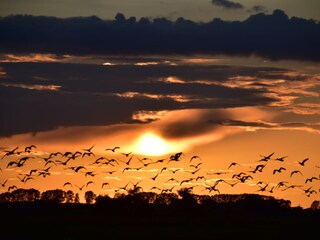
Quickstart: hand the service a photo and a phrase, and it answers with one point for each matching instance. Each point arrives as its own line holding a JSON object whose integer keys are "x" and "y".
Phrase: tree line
{"x": 137, "y": 198}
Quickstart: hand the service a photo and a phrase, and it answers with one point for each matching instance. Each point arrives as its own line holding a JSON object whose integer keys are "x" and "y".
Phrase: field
{"x": 92, "y": 221}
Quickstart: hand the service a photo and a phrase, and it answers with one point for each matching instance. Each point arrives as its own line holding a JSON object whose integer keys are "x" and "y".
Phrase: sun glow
{"x": 151, "y": 144}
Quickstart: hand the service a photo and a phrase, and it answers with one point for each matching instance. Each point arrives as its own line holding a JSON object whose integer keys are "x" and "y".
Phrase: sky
{"x": 221, "y": 81}
{"x": 200, "y": 10}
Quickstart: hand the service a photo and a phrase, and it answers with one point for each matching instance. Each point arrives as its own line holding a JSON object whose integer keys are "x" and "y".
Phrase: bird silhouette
{"x": 278, "y": 170}
{"x": 196, "y": 166}
{"x": 200, "y": 177}
{"x": 126, "y": 154}
{"x": 28, "y": 149}
{"x": 10, "y": 152}
{"x": 266, "y": 158}
{"x": 88, "y": 183}
{"x": 98, "y": 160}
{"x": 281, "y": 184}
{"x": 88, "y": 149}
{"x": 124, "y": 188}
{"x": 264, "y": 188}
{"x": 194, "y": 157}
{"x": 80, "y": 188}
{"x": 296, "y": 171}
{"x": 186, "y": 181}
{"x": 172, "y": 180}
{"x": 4, "y": 183}
{"x": 127, "y": 162}
{"x": 156, "y": 188}
{"x": 110, "y": 172}
{"x": 175, "y": 157}
{"x": 167, "y": 190}
{"x": 53, "y": 162}
{"x": 105, "y": 184}
{"x": 281, "y": 159}
{"x": 12, "y": 187}
{"x": 154, "y": 178}
{"x": 90, "y": 173}
{"x": 67, "y": 183}
{"x": 163, "y": 169}
{"x": 233, "y": 164}
{"x": 112, "y": 149}
{"x": 195, "y": 171}
{"x": 311, "y": 179}
{"x": 302, "y": 163}
{"x": 88, "y": 154}
{"x": 174, "y": 170}
{"x": 135, "y": 185}
{"x": 126, "y": 169}
{"x": 55, "y": 154}
{"x": 77, "y": 169}
{"x": 291, "y": 186}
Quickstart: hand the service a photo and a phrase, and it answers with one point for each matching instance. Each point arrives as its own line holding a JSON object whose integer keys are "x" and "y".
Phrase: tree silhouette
{"x": 315, "y": 205}
{"x": 187, "y": 195}
{"x": 89, "y": 196}
{"x": 54, "y": 196}
{"x": 76, "y": 198}
{"x": 69, "y": 197}
{"x": 24, "y": 195}
{"x": 5, "y": 197}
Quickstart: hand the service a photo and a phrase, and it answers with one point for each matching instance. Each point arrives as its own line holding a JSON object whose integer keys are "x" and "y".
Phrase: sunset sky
{"x": 226, "y": 81}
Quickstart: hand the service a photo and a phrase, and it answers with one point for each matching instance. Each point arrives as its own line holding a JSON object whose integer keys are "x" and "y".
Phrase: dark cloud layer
{"x": 98, "y": 95}
{"x": 274, "y": 36}
{"x": 227, "y": 4}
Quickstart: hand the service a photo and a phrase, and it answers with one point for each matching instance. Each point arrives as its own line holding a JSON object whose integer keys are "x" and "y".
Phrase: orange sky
{"x": 219, "y": 136}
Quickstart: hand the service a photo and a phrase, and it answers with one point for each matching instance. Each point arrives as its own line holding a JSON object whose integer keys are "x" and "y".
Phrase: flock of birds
{"x": 114, "y": 162}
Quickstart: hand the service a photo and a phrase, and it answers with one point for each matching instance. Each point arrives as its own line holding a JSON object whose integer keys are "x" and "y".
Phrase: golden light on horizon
{"x": 151, "y": 144}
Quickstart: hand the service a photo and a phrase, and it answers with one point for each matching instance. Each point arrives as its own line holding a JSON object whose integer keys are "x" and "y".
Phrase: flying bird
{"x": 80, "y": 188}
{"x": 127, "y": 162}
{"x": 112, "y": 149}
{"x": 12, "y": 187}
{"x": 233, "y": 164}
{"x": 194, "y": 157}
{"x": 311, "y": 179}
{"x": 302, "y": 163}
{"x": 278, "y": 170}
{"x": 196, "y": 166}
{"x": 266, "y": 158}
{"x": 88, "y": 183}
{"x": 296, "y": 171}
{"x": 4, "y": 183}
{"x": 126, "y": 154}
{"x": 88, "y": 149}
{"x": 172, "y": 180}
{"x": 281, "y": 159}
{"x": 154, "y": 178}
{"x": 88, "y": 153}
{"x": 105, "y": 184}
{"x": 10, "y": 152}
{"x": 67, "y": 183}
{"x": 28, "y": 149}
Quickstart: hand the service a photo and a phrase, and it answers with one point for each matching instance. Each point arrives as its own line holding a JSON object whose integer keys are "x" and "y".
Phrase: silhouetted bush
{"x": 54, "y": 196}
{"x": 20, "y": 195}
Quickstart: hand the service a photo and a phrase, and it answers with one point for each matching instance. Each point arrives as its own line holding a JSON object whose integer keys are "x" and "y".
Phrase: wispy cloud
{"x": 227, "y": 4}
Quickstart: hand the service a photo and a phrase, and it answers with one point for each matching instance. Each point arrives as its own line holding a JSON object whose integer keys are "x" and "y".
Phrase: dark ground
{"x": 89, "y": 221}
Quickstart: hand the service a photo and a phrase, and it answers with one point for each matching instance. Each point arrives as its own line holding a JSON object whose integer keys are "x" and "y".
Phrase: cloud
{"x": 258, "y": 125}
{"x": 258, "y": 9}
{"x": 42, "y": 96}
{"x": 227, "y": 4}
{"x": 273, "y": 36}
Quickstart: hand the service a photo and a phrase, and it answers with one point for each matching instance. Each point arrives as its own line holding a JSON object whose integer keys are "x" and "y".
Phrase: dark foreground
{"x": 90, "y": 221}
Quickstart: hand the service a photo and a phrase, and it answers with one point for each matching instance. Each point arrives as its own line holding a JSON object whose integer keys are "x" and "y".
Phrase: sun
{"x": 151, "y": 144}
